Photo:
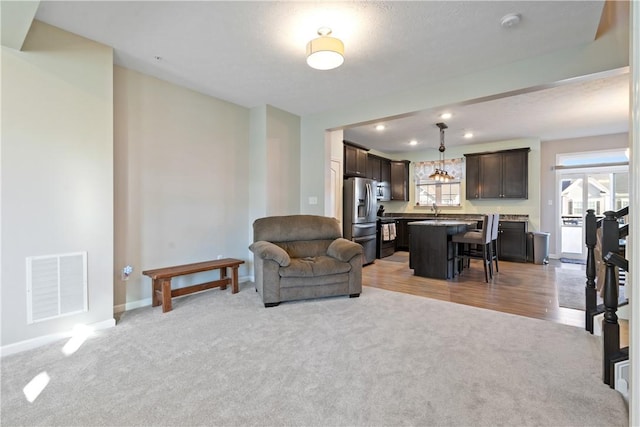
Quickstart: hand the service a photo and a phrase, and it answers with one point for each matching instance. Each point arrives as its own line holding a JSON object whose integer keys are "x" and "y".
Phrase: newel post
{"x": 590, "y": 305}
{"x": 610, "y": 326}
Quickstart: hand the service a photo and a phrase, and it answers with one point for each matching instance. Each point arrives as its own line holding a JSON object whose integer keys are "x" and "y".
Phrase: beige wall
{"x": 181, "y": 184}
{"x": 273, "y": 165}
{"x": 549, "y": 190}
{"x": 57, "y": 171}
{"x": 283, "y": 160}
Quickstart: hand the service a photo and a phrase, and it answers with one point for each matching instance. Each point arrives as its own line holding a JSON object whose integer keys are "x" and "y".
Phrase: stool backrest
{"x": 487, "y": 227}
{"x": 494, "y": 229}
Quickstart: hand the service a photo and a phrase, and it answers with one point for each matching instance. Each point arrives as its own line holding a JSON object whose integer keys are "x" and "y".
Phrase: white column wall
{"x": 57, "y": 173}
{"x": 634, "y": 212}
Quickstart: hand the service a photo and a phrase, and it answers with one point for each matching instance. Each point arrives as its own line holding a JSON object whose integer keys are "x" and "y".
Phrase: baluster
{"x": 590, "y": 288}
{"x": 610, "y": 326}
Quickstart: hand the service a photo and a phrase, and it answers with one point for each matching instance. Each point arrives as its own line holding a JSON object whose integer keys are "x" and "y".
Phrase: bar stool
{"x": 479, "y": 238}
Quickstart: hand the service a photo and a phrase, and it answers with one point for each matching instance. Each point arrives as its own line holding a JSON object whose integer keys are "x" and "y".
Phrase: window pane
{"x": 450, "y": 194}
{"x": 439, "y": 193}
{"x": 621, "y": 185}
{"x": 426, "y": 194}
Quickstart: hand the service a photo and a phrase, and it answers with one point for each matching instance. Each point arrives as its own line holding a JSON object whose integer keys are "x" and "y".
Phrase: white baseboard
{"x": 147, "y": 301}
{"x": 624, "y": 312}
{"x": 597, "y": 324}
{"x": 131, "y": 305}
{"x": 46, "y": 339}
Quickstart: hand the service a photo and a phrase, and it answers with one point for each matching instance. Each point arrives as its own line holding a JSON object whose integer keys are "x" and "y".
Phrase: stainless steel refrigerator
{"x": 359, "y": 210}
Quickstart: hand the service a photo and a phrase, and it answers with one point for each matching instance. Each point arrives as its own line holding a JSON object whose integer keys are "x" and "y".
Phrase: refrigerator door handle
{"x": 368, "y": 198}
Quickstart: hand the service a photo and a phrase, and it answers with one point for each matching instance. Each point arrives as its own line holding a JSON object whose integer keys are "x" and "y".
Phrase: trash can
{"x": 540, "y": 247}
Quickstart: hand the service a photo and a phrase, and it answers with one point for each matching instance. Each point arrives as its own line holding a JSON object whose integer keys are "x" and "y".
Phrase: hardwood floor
{"x": 523, "y": 289}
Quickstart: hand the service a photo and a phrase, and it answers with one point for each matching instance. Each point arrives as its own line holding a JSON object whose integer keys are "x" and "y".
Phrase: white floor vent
{"x": 56, "y": 286}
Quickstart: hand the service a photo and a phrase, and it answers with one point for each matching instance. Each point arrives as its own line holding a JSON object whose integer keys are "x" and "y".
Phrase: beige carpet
{"x": 384, "y": 359}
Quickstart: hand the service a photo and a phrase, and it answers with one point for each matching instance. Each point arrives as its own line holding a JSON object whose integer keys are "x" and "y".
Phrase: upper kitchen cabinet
{"x": 355, "y": 160}
{"x": 379, "y": 168}
{"x": 498, "y": 175}
{"x": 400, "y": 180}
{"x": 373, "y": 167}
{"x": 385, "y": 174}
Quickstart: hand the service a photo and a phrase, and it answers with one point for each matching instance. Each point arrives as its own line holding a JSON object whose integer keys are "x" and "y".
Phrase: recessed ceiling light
{"x": 380, "y": 127}
{"x": 446, "y": 115}
{"x": 413, "y": 142}
{"x": 468, "y": 135}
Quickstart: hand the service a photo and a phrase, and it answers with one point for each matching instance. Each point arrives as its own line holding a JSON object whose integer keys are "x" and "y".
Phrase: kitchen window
{"x": 440, "y": 193}
{"x": 429, "y": 191}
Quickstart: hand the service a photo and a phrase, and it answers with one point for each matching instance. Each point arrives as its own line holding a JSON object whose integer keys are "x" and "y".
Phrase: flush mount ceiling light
{"x": 440, "y": 174}
{"x": 324, "y": 52}
{"x": 510, "y": 20}
{"x": 380, "y": 127}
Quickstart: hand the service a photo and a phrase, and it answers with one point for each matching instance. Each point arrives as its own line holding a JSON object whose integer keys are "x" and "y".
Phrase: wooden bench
{"x": 162, "y": 293}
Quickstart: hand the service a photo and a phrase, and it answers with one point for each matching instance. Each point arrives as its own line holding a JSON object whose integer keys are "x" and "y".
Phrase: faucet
{"x": 435, "y": 209}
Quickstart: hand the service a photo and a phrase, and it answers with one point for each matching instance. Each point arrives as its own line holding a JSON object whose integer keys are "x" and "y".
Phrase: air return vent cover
{"x": 56, "y": 286}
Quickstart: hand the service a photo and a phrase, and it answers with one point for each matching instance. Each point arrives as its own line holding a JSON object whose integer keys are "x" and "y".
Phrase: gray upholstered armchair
{"x": 304, "y": 256}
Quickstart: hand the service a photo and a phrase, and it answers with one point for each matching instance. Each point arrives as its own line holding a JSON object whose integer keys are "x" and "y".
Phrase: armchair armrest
{"x": 268, "y": 250}
{"x": 344, "y": 250}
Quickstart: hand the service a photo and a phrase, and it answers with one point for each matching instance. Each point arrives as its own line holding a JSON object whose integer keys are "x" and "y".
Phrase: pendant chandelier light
{"x": 325, "y": 52}
{"x": 440, "y": 174}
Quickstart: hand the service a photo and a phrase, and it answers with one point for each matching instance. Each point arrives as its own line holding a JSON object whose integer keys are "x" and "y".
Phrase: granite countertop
{"x": 443, "y": 222}
{"x": 459, "y": 217}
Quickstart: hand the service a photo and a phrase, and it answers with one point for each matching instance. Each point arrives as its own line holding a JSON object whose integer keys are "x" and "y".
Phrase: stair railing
{"x": 610, "y": 326}
{"x": 610, "y": 250}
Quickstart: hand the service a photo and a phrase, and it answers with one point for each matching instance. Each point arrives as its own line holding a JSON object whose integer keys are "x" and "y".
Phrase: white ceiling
{"x": 253, "y": 53}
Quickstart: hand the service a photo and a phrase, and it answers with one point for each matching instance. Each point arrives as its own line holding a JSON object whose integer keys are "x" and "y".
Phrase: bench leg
{"x": 166, "y": 295}
{"x": 223, "y": 275}
{"x": 155, "y": 290}
{"x": 234, "y": 280}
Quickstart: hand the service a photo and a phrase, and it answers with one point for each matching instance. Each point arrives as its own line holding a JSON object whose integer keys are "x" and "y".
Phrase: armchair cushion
{"x": 314, "y": 267}
{"x": 344, "y": 250}
{"x": 267, "y": 250}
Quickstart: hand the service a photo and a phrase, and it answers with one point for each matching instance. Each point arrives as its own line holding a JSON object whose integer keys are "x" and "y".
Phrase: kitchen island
{"x": 431, "y": 253}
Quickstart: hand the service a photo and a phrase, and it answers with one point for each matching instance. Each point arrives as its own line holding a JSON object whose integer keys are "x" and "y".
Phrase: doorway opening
{"x": 595, "y": 180}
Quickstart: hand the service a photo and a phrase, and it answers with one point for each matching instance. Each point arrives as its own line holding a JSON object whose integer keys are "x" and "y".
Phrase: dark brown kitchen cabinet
{"x": 515, "y": 172}
{"x": 355, "y": 160}
{"x": 402, "y": 234}
{"x": 512, "y": 241}
{"x": 373, "y": 167}
{"x": 385, "y": 170}
{"x": 497, "y": 175}
{"x": 400, "y": 180}
{"x": 379, "y": 169}
{"x": 473, "y": 177}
